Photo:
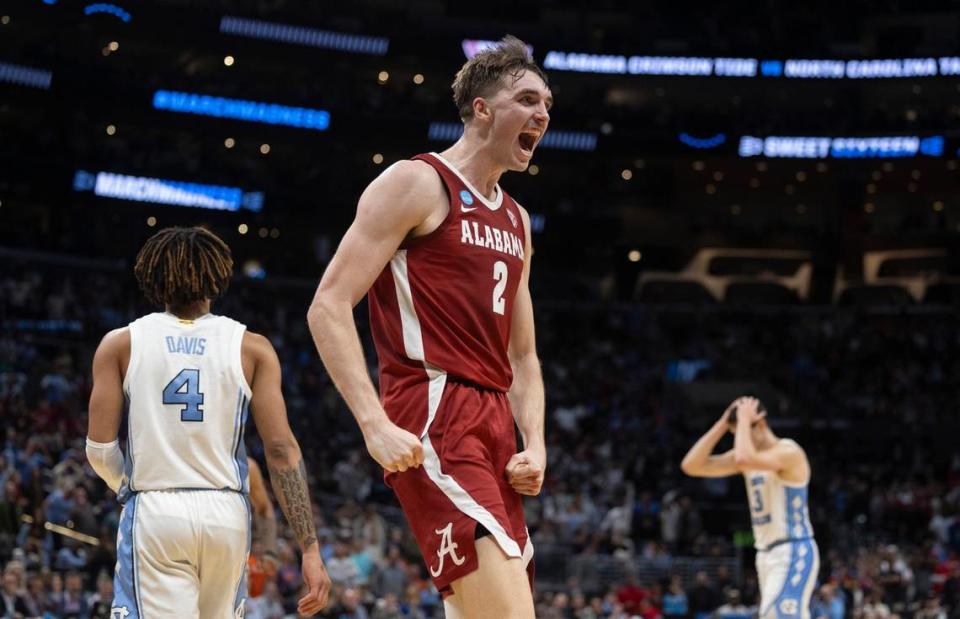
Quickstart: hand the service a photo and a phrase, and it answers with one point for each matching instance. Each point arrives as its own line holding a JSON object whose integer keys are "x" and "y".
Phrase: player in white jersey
{"x": 188, "y": 378}
{"x": 777, "y": 474}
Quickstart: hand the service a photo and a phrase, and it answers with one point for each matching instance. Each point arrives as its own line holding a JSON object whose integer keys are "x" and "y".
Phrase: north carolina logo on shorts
{"x": 240, "y": 610}
{"x": 789, "y": 606}
{"x": 119, "y": 612}
{"x": 447, "y": 547}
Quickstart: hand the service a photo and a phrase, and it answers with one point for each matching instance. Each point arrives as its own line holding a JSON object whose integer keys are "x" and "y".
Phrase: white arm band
{"x": 107, "y": 460}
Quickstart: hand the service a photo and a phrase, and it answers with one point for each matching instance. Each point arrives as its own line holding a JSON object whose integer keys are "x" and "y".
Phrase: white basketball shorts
{"x": 182, "y": 553}
{"x": 787, "y": 574}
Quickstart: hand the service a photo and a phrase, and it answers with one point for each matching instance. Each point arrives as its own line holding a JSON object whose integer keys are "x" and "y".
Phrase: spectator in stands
{"x": 38, "y": 601}
{"x": 733, "y": 607}
{"x": 675, "y": 603}
{"x": 630, "y": 594}
{"x": 101, "y": 602}
{"x": 12, "y": 600}
{"x": 71, "y": 602}
{"x": 391, "y": 576}
{"x": 341, "y": 567}
{"x": 874, "y": 608}
{"x": 704, "y": 597}
{"x": 351, "y": 605}
{"x": 828, "y": 603}
{"x": 268, "y": 605}
{"x": 71, "y": 556}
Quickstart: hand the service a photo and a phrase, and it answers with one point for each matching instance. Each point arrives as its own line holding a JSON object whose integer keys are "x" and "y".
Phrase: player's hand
{"x": 395, "y": 449}
{"x": 525, "y": 471}
{"x": 748, "y": 408}
{"x": 725, "y": 417}
{"x": 317, "y": 582}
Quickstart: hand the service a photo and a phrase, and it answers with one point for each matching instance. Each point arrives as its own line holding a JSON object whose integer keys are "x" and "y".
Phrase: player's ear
{"x": 481, "y": 109}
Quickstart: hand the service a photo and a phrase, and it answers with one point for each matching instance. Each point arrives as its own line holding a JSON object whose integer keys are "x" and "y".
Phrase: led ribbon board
{"x": 240, "y": 109}
{"x": 862, "y": 69}
{"x": 841, "y": 147}
{"x": 884, "y": 68}
{"x": 560, "y": 140}
{"x": 300, "y": 35}
{"x": 650, "y": 65}
{"x": 25, "y": 76}
{"x": 163, "y": 191}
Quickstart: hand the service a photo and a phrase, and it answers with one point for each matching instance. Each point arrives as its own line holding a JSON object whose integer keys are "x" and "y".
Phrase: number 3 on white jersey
{"x": 499, "y": 276}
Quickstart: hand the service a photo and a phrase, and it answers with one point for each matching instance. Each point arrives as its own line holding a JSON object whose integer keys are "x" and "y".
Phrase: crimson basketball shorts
{"x": 468, "y": 440}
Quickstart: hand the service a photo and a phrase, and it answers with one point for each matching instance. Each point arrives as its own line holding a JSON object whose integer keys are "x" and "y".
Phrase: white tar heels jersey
{"x": 187, "y": 401}
{"x": 778, "y": 509}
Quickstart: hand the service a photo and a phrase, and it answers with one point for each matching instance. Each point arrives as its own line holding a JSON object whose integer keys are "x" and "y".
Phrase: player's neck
{"x": 191, "y": 311}
{"x": 769, "y": 440}
{"x": 475, "y": 164}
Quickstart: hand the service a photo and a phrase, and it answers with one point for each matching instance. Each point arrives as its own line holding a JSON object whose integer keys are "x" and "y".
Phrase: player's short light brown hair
{"x": 483, "y": 74}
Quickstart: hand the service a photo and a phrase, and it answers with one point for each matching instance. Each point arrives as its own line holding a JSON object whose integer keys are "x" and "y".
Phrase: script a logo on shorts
{"x": 789, "y": 606}
{"x": 119, "y": 612}
{"x": 467, "y": 199}
{"x": 447, "y": 547}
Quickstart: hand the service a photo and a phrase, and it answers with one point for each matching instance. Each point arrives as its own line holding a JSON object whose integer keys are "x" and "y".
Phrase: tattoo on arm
{"x": 290, "y": 486}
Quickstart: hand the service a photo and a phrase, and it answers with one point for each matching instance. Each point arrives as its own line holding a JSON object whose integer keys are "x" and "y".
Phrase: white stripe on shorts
{"x": 413, "y": 346}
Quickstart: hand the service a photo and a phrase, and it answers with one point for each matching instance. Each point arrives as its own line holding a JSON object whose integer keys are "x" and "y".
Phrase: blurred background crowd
{"x": 619, "y": 531}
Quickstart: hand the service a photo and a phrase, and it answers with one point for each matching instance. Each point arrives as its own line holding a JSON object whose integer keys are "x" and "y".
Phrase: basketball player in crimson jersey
{"x": 444, "y": 256}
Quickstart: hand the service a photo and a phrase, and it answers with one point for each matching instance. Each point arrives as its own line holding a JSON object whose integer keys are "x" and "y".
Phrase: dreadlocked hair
{"x": 178, "y": 266}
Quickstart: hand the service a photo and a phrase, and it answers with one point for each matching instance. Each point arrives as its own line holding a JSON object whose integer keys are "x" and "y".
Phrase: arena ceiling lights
{"x": 301, "y": 35}
{"x": 109, "y": 9}
{"x": 165, "y": 191}
{"x": 890, "y": 68}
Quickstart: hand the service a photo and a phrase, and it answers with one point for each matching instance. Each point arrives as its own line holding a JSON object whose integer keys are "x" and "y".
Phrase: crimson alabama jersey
{"x": 444, "y": 302}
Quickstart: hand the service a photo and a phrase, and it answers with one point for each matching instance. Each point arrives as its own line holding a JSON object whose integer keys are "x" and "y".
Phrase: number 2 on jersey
{"x": 185, "y": 389}
{"x": 499, "y": 276}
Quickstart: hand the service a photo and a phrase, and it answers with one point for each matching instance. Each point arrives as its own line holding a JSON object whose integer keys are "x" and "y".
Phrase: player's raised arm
{"x": 700, "y": 461}
{"x": 288, "y": 474}
{"x": 106, "y": 407}
{"x": 782, "y": 456}
{"x": 394, "y": 205}
{"x": 525, "y": 470}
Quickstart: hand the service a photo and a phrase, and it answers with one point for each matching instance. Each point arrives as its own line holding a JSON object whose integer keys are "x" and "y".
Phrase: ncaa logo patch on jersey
{"x": 466, "y": 197}
{"x": 513, "y": 218}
